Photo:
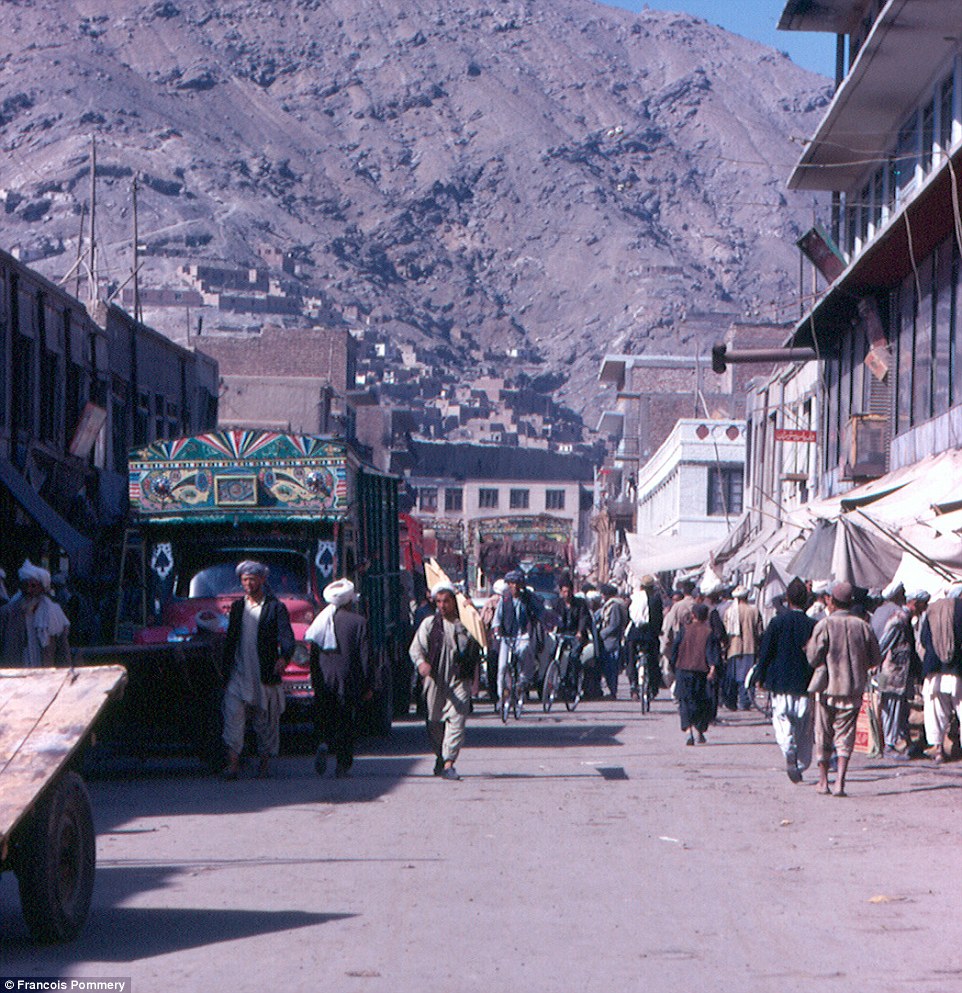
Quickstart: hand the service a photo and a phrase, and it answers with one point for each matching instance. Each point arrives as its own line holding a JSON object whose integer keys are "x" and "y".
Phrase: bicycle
{"x": 643, "y": 685}
{"x": 564, "y": 675}
{"x": 512, "y": 694}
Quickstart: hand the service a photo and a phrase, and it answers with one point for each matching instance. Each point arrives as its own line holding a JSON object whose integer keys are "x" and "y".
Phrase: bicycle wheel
{"x": 576, "y": 686}
{"x": 549, "y": 689}
{"x": 517, "y": 688}
{"x": 644, "y": 685}
{"x": 504, "y": 704}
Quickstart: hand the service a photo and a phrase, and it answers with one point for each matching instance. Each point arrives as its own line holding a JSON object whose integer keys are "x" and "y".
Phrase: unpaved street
{"x": 583, "y": 852}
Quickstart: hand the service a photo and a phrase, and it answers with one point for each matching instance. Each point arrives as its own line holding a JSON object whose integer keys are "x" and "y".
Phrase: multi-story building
{"x": 79, "y": 388}
{"x": 889, "y": 148}
{"x": 490, "y": 507}
{"x": 692, "y": 488}
{"x": 654, "y": 392}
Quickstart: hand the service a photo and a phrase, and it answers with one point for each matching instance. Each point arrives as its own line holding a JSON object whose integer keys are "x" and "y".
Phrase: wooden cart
{"x": 46, "y": 827}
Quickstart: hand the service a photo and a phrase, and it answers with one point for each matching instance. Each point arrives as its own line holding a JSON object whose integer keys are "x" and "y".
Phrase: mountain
{"x": 558, "y": 178}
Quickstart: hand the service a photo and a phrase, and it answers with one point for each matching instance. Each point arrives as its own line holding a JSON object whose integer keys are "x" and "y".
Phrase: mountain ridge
{"x": 574, "y": 179}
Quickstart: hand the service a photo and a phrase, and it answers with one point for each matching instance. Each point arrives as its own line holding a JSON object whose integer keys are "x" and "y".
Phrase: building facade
{"x": 489, "y": 508}
{"x": 889, "y": 148}
{"x": 79, "y": 388}
{"x": 692, "y": 487}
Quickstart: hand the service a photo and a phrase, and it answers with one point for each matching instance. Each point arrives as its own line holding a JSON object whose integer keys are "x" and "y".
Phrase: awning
{"x": 666, "y": 553}
{"x": 77, "y": 547}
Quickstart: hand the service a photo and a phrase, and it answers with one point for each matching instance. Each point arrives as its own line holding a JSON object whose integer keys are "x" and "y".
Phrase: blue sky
{"x": 753, "y": 19}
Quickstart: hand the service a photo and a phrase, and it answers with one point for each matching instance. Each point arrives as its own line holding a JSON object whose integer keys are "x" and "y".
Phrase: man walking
{"x": 340, "y": 676}
{"x": 784, "y": 671}
{"x": 847, "y": 646}
{"x": 614, "y": 620}
{"x": 900, "y": 670}
{"x": 257, "y": 648}
{"x": 942, "y": 668}
{"x": 696, "y": 658}
{"x": 743, "y": 627}
{"x": 446, "y": 657}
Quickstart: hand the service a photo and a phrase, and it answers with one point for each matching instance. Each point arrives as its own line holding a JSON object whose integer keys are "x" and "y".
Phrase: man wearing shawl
{"x": 33, "y": 628}
{"x": 941, "y": 638}
{"x": 901, "y": 667}
{"x": 446, "y": 657}
{"x": 340, "y": 675}
{"x": 258, "y": 645}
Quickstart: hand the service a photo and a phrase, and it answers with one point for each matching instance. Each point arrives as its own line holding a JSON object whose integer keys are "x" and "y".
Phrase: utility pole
{"x": 92, "y": 268}
{"x": 78, "y": 265}
{"x": 138, "y": 313}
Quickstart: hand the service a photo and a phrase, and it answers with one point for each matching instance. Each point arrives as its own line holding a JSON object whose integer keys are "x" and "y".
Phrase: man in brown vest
{"x": 695, "y": 658}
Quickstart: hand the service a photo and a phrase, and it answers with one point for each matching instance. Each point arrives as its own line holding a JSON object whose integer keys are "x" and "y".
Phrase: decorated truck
{"x": 541, "y": 546}
{"x": 306, "y": 506}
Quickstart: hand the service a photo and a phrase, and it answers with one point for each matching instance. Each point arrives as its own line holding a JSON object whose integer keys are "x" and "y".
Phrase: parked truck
{"x": 306, "y": 506}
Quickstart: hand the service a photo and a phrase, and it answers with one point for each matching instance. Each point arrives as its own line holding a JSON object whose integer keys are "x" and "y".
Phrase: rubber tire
{"x": 56, "y": 860}
{"x": 579, "y": 691}
{"x": 643, "y": 686}
{"x": 552, "y": 679}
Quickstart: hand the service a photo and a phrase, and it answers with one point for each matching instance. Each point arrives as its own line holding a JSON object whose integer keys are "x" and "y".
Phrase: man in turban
{"x": 446, "y": 657}
{"x": 258, "y": 645}
{"x": 340, "y": 675}
{"x": 33, "y": 628}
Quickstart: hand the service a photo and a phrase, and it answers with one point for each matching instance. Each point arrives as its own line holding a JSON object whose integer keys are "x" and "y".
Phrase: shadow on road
{"x": 127, "y": 934}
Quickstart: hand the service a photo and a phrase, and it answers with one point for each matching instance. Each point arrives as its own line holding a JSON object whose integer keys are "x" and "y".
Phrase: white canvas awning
{"x": 666, "y": 553}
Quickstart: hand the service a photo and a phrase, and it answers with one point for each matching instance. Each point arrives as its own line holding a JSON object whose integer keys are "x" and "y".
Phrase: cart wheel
{"x": 55, "y": 862}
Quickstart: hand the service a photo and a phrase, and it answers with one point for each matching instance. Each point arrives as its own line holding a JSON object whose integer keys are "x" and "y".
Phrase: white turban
{"x": 740, "y": 593}
{"x": 443, "y": 588}
{"x": 321, "y": 632}
{"x": 499, "y": 587}
{"x": 821, "y": 587}
{"x": 339, "y": 593}
{"x": 251, "y": 568}
{"x": 893, "y": 589}
{"x": 30, "y": 571}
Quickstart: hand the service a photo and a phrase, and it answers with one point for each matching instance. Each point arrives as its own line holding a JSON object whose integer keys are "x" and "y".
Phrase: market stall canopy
{"x": 666, "y": 553}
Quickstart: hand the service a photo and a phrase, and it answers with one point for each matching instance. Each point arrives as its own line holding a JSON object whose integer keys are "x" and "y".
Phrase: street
{"x": 584, "y": 852}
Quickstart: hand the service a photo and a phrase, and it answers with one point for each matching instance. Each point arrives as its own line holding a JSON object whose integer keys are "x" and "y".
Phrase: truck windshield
{"x": 288, "y": 575}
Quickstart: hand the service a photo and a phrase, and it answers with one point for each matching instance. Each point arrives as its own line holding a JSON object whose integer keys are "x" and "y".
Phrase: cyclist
{"x": 515, "y": 618}
{"x": 574, "y": 619}
{"x": 646, "y": 613}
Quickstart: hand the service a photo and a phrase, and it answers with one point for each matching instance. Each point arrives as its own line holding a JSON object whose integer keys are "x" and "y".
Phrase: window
{"x": 928, "y": 134}
{"x": 454, "y": 498}
{"x": 487, "y": 499}
{"x": 519, "y": 500}
{"x": 725, "y": 486}
{"x": 922, "y": 360}
{"x": 946, "y": 94}
{"x": 554, "y": 499}
{"x": 428, "y": 499}
{"x": 906, "y": 153}
{"x": 942, "y": 327}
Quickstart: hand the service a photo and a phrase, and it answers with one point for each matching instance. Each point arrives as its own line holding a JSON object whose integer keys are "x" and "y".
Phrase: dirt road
{"x": 581, "y": 852}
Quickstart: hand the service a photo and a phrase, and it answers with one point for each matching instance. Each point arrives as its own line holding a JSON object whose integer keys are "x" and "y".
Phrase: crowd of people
{"x": 824, "y": 646}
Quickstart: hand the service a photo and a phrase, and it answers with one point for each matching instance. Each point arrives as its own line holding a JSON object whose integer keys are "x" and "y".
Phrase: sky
{"x": 755, "y": 19}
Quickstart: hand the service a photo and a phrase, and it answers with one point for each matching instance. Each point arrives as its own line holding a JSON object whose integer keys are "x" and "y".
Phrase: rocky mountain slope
{"x": 564, "y": 176}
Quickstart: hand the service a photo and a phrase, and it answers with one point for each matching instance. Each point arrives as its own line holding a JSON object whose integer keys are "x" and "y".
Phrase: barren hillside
{"x": 564, "y": 175}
